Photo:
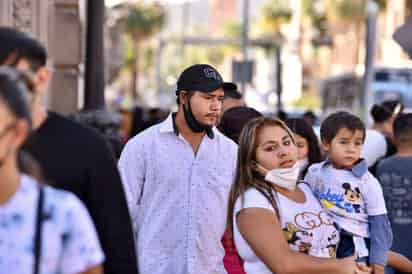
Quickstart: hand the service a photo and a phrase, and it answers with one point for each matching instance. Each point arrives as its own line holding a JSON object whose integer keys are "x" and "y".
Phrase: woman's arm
{"x": 261, "y": 230}
{"x": 399, "y": 262}
{"x": 98, "y": 269}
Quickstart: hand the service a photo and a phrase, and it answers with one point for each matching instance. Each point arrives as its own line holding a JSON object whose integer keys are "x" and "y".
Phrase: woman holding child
{"x": 276, "y": 222}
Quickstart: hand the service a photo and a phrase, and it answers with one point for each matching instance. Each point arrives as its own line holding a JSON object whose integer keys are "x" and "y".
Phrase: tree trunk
{"x": 358, "y": 33}
{"x": 135, "y": 72}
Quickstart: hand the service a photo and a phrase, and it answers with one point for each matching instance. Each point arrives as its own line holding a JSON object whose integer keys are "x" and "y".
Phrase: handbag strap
{"x": 37, "y": 236}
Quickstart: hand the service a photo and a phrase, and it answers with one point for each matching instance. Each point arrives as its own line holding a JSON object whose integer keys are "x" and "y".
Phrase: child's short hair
{"x": 338, "y": 120}
{"x": 402, "y": 127}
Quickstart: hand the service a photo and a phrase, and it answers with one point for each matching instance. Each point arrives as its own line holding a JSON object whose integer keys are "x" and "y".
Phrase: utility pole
{"x": 367, "y": 95}
{"x": 278, "y": 74}
{"x": 94, "y": 76}
{"x": 245, "y": 38}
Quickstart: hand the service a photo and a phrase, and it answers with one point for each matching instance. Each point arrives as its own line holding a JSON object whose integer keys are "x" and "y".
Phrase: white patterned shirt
{"x": 69, "y": 241}
{"x": 178, "y": 200}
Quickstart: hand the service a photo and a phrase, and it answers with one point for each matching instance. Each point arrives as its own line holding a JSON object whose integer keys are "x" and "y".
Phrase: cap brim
{"x": 209, "y": 87}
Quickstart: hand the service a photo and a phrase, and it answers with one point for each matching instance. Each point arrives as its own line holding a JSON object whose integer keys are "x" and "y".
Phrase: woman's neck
{"x": 9, "y": 181}
{"x": 295, "y": 195}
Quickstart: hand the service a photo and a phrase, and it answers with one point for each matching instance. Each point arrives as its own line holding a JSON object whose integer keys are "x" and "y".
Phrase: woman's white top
{"x": 306, "y": 227}
{"x": 69, "y": 241}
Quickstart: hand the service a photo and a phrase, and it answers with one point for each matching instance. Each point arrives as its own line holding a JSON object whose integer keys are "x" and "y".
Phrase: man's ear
{"x": 22, "y": 130}
{"x": 42, "y": 79}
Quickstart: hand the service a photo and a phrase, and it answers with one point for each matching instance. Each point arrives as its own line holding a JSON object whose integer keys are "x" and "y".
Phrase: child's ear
{"x": 325, "y": 146}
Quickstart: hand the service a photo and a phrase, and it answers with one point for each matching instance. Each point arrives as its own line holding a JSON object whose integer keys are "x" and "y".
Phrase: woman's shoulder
{"x": 252, "y": 198}
{"x": 58, "y": 199}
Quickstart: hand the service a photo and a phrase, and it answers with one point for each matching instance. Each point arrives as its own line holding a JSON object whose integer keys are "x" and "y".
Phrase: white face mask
{"x": 284, "y": 177}
{"x": 303, "y": 164}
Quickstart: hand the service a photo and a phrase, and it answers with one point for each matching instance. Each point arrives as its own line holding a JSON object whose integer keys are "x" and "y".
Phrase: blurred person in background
{"x": 310, "y": 117}
{"x": 43, "y": 230}
{"x": 73, "y": 157}
{"x": 233, "y": 97}
{"x": 395, "y": 175}
{"x": 307, "y": 143}
{"x": 231, "y": 125}
{"x": 383, "y": 116}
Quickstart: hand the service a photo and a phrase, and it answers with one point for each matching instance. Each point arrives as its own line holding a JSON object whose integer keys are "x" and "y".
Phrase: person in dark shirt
{"x": 395, "y": 176}
{"x": 74, "y": 157}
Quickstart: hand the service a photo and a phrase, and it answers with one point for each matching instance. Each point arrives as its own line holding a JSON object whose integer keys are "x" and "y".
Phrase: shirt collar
{"x": 358, "y": 170}
{"x": 169, "y": 125}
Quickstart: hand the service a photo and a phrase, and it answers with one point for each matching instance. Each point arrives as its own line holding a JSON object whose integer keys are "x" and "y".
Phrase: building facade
{"x": 59, "y": 25}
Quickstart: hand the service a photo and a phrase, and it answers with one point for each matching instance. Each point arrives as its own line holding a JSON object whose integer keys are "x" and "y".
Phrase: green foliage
{"x": 275, "y": 13}
{"x": 308, "y": 101}
{"x": 143, "y": 20}
{"x": 129, "y": 54}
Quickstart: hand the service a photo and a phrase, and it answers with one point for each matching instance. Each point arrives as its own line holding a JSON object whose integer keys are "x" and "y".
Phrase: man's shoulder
{"x": 225, "y": 141}
{"x": 64, "y": 125}
{"x": 388, "y": 164}
{"x": 143, "y": 140}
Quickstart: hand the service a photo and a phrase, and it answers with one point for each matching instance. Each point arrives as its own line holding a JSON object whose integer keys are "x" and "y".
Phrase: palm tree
{"x": 275, "y": 13}
{"x": 141, "y": 22}
{"x": 351, "y": 13}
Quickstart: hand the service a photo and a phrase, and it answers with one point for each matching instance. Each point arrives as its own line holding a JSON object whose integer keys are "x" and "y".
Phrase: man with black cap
{"x": 177, "y": 176}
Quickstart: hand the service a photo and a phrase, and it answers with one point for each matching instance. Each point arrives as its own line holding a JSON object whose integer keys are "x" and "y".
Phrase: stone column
{"x": 57, "y": 24}
{"x": 67, "y": 44}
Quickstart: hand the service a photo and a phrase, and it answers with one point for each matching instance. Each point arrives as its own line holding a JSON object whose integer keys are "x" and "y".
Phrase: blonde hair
{"x": 246, "y": 177}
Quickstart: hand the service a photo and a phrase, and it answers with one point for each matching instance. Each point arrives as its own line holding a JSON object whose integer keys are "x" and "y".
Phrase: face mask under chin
{"x": 284, "y": 177}
{"x": 191, "y": 120}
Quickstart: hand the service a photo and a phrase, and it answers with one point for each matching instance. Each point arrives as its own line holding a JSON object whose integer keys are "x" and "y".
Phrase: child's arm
{"x": 399, "y": 262}
{"x": 379, "y": 225}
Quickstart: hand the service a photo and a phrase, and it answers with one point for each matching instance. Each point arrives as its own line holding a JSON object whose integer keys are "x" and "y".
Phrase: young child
{"x": 350, "y": 194}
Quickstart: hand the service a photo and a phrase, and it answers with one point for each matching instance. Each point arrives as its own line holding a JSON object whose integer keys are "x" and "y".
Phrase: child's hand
{"x": 378, "y": 269}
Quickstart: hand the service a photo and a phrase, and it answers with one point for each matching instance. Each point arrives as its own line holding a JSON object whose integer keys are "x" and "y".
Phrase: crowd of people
{"x": 215, "y": 187}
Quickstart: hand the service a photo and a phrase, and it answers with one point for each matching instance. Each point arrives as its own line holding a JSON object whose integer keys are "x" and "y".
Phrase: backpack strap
{"x": 37, "y": 236}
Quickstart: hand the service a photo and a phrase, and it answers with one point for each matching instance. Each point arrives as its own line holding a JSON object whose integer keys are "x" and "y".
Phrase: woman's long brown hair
{"x": 246, "y": 177}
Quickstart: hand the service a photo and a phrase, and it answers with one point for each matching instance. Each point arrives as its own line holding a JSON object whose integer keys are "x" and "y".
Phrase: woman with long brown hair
{"x": 276, "y": 222}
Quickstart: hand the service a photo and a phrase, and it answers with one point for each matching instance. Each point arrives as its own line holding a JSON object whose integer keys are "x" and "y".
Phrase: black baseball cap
{"x": 200, "y": 77}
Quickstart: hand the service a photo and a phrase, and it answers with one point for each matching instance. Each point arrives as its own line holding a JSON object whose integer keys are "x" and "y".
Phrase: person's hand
{"x": 260, "y": 169}
{"x": 349, "y": 266}
{"x": 378, "y": 269}
{"x": 363, "y": 268}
